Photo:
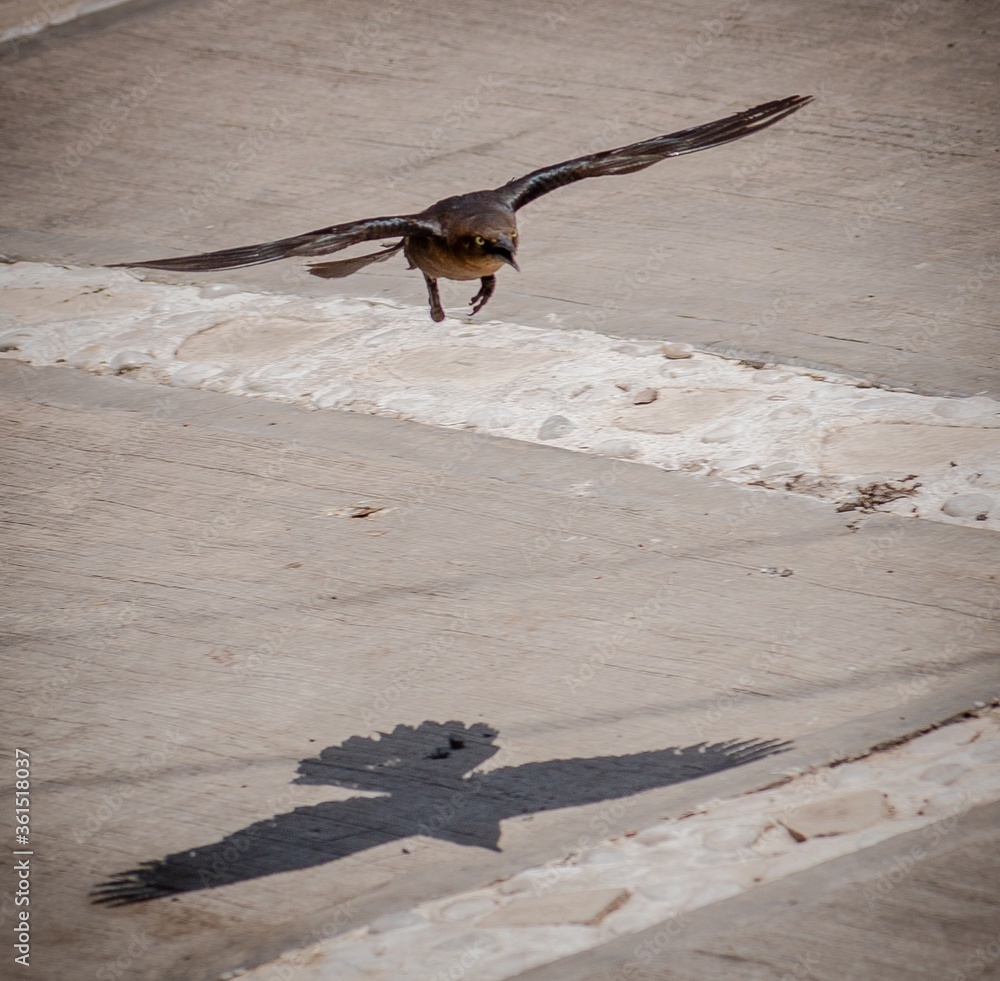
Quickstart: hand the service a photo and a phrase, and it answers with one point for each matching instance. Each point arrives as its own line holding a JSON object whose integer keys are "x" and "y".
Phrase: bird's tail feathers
{"x": 340, "y": 268}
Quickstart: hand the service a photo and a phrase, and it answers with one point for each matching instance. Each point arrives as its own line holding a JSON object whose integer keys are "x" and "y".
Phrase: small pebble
{"x": 556, "y": 427}
{"x": 968, "y": 505}
{"x": 676, "y": 351}
{"x": 646, "y": 396}
{"x": 126, "y": 360}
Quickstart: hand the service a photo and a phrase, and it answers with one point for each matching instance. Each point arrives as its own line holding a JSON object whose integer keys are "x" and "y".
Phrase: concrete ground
{"x": 880, "y": 913}
{"x": 215, "y": 603}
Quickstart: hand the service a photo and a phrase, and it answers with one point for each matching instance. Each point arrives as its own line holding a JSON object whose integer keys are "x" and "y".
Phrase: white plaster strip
{"x": 779, "y": 427}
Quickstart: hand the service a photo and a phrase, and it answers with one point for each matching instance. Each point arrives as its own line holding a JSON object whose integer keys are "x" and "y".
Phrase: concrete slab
{"x": 197, "y": 616}
{"x": 920, "y": 907}
{"x": 852, "y": 236}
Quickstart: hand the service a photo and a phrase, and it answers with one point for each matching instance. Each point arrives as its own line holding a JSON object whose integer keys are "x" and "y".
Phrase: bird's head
{"x": 496, "y": 242}
{"x": 484, "y": 231}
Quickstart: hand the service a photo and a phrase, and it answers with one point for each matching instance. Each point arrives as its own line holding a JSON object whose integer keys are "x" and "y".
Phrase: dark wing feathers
{"x": 320, "y": 242}
{"x": 636, "y": 156}
{"x": 514, "y": 194}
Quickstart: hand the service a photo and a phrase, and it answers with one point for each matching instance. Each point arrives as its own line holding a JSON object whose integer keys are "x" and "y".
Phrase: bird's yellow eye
{"x": 480, "y": 240}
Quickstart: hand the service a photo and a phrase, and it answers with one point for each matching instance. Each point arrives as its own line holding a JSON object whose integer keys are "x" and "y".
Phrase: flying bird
{"x": 471, "y": 236}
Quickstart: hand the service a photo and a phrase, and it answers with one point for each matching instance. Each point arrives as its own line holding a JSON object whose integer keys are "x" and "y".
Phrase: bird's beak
{"x": 505, "y": 249}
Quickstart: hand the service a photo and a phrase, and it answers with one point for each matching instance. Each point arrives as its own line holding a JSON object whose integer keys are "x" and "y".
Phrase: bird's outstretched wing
{"x": 636, "y": 156}
{"x": 320, "y": 242}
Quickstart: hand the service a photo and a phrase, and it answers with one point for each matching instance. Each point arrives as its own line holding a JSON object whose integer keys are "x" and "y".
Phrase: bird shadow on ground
{"x": 425, "y": 776}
